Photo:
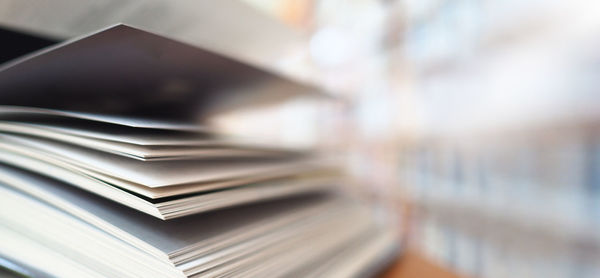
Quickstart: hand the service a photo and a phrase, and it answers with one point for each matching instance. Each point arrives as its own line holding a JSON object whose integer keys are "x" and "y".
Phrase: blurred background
{"x": 476, "y": 122}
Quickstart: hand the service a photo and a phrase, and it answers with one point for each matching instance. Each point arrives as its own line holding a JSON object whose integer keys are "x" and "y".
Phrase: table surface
{"x": 414, "y": 265}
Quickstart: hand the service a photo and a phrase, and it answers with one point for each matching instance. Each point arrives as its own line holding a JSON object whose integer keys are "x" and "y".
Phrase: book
{"x": 108, "y": 168}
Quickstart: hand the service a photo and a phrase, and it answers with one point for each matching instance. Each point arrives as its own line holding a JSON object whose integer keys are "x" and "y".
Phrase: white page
{"x": 49, "y": 261}
{"x": 38, "y": 162}
{"x": 114, "y": 258}
{"x": 182, "y": 206}
{"x": 155, "y": 173}
{"x": 210, "y": 149}
{"x": 78, "y": 240}
{"x": 105, "y": 140}
{"x": 164, "y": 236}
{"x": 82, "y": 181}
{"x": 108, "y": 132}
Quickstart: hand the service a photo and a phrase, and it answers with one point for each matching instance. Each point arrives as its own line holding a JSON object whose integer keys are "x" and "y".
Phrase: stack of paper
{"x": 179, "y": 173}
{"x": 103, "y": 151}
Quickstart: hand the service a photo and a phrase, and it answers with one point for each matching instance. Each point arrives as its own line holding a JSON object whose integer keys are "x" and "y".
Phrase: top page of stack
{"x": 121, "y": 113}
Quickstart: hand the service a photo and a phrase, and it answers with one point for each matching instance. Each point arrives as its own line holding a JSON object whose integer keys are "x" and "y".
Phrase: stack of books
{"x": 106, "y": 170}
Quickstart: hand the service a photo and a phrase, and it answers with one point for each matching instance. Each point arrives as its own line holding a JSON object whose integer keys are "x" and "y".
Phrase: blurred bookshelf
{"x": 502, "y": 168}
{"x": 488, "y": 112}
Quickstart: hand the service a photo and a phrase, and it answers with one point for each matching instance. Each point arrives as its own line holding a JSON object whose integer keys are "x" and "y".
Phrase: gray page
{"x": 126, "y": 72}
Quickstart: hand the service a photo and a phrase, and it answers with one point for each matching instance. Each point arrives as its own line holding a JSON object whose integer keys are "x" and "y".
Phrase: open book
{"x": 121, "y": 113}
{"x": 104, "y": 149}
